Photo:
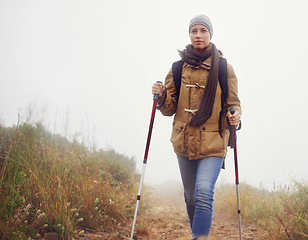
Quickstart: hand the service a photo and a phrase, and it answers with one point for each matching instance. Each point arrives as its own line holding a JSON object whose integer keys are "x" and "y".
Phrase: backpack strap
{"x": 177, "y": 75}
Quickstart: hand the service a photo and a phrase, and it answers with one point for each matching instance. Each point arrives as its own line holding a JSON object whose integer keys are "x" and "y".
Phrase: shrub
{"x": 48, "y": 183}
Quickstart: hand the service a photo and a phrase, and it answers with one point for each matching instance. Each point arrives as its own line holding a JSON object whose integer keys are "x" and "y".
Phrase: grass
{"x": 283, "y": 213}
{"x": 48, "y": 184}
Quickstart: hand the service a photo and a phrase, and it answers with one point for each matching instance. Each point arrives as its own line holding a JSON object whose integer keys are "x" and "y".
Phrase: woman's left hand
{"x": 234, "y": 119}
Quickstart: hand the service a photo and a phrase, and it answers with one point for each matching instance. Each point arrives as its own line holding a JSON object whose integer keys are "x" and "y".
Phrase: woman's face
{"x": 200, "y": 37}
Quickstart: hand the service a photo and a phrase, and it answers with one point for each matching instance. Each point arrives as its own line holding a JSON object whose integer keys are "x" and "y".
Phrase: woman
{"x": 198, "y": 141}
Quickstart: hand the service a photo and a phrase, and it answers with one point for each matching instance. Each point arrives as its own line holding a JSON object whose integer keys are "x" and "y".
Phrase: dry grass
{"x": 283, "y": 213}
{"x": 50, "y": 184}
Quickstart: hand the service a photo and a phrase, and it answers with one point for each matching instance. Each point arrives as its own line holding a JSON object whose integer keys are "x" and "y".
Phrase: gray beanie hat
{"x": 203, "y": 20}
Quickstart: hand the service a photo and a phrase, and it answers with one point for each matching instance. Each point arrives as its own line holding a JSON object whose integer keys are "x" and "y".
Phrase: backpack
{"x": 223, "y": 82}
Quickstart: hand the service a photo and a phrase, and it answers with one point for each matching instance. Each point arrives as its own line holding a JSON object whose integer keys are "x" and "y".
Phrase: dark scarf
{"x": 194, "y": 58}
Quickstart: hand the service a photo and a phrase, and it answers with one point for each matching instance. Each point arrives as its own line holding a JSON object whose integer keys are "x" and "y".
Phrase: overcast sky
{"x": 87, "y": 67}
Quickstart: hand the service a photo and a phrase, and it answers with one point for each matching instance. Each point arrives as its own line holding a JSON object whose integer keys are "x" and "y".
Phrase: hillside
{"x": 50, "y": 185}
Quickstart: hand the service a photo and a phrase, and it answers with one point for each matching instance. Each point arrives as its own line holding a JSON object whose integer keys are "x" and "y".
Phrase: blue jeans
{"x": 199, "y": 178}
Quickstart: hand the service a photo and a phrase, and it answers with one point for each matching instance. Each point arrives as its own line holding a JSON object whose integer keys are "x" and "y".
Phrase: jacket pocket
{"x": 178, "y": 137}
{"x": 211, "y": 141}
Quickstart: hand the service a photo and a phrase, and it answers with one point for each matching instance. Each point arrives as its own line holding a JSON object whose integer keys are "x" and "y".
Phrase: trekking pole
{"x": 155, "y": 99}
{"x": 233, "y": 132}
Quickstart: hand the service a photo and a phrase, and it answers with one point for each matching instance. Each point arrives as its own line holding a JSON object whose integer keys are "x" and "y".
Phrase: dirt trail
{"x": 166, "y": 218}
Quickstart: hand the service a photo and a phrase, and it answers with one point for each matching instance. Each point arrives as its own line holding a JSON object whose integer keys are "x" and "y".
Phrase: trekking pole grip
{"x": 232, "y": 111}
{"x": 156, "y": 96}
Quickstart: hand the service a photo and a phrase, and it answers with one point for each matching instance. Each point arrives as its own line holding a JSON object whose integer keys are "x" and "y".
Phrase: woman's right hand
{"x": 158, "y": 88}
